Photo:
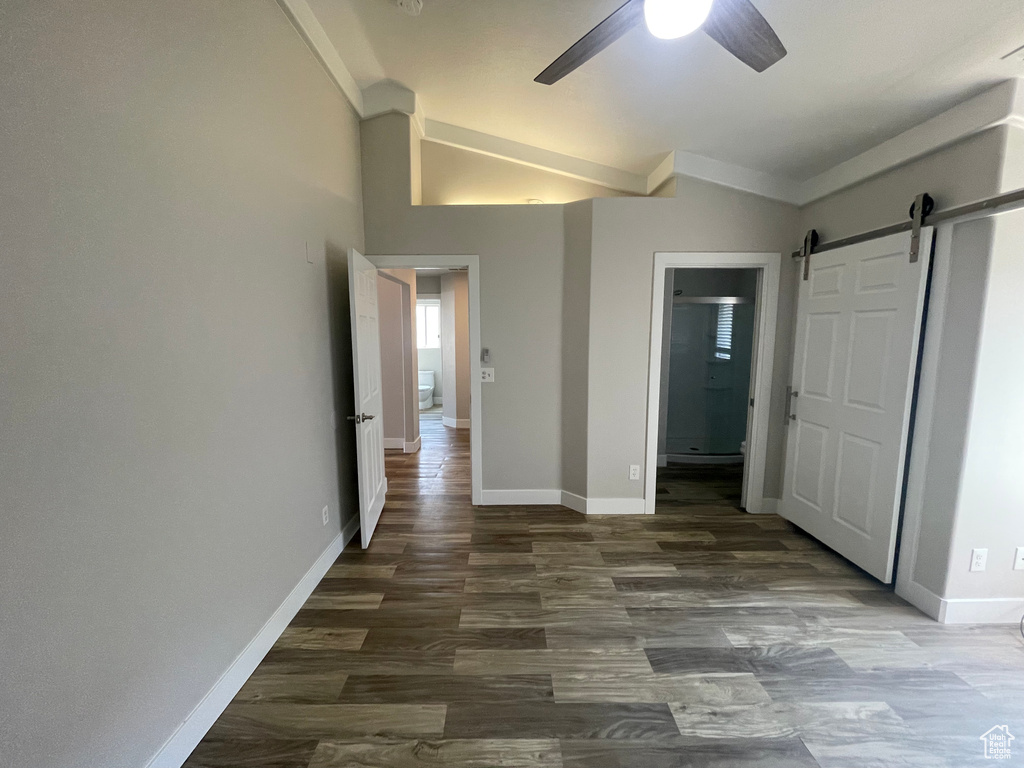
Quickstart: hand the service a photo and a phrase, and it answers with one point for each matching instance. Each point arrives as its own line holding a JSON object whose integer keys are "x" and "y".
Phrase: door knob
{"x": 359, "y": 419}
{"x": 367, "y": 418}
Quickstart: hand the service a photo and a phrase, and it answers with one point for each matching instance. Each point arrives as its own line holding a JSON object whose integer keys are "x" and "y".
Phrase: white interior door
{"x": 858, "y": 329}
{"x": 369, "y": 420}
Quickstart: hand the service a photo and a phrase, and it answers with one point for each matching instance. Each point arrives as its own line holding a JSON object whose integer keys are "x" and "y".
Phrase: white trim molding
{"x": 574, "y": 502}
{"x": 456, "y": 423}
{"x": 309, "y": 28}
{"x": 522, "y": 497}
{"x": 534, "y": 157}
{"x": 769, "y": 266}
{"x": 394, "y": 443}
{"x": 992, "y": 610}
{"x": 615, "y": 507}
{"x": 413, "y": 446}
{"x": 179, "y": 746}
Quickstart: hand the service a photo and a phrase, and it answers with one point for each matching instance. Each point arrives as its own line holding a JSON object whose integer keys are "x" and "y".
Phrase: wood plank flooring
{"x": 535, "y": 637}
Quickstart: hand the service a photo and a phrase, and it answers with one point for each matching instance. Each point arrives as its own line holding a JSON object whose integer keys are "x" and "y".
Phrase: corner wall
{"x": 169, "y": 357}
{"x": 627, "y": 232}
{"x": 521, "y": 262}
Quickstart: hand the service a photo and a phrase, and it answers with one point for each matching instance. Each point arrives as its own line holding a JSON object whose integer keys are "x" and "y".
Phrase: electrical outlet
{"x": 979, "y": 559}
{"x": 634, "y": 471}
{"x": 487, "y": 374}
{"x": 326, "y": 515}
{"x": 1018, "y": 560}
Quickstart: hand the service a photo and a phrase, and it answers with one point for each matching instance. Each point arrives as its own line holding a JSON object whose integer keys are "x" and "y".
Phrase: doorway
{"x": 711, "y": 361}
{"x": 458, "y": 382}
{"x": 707, "y": 353}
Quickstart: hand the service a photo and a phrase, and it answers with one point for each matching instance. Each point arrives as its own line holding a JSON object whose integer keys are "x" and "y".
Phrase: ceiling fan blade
{"x": 596, "y": 40}
{"x": 740, "y": 28}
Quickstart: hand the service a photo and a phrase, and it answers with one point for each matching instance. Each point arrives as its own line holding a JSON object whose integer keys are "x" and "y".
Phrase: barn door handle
{"x": 791, "y": 397}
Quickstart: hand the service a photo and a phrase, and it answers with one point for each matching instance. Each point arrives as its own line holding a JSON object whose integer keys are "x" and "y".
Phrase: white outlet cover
{"x": 326, "y": 515}
{"x": 1018, "y": 560}
{"x": 634, "y": 471}
{"x": 487, "y": 374}
{"x": 979, "y": 559}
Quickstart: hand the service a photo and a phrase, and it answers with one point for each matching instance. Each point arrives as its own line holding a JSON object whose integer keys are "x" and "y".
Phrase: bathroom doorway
{"x": 707, "y": 353}
{"x": 712, "y": 351}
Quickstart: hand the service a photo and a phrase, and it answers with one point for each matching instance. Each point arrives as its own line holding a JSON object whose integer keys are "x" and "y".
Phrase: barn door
{"x": 858, "y": 329}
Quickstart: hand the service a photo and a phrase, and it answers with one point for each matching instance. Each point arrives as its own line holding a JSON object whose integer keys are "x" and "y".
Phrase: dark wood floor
{"x": 536, "y": 637}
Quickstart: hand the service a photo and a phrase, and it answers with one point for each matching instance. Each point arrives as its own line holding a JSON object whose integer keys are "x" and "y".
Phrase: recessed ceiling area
{"x": 858, "y": 73}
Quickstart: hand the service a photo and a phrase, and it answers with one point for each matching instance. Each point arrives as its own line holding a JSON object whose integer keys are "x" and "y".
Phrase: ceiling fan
{"x": 736, "y": 25}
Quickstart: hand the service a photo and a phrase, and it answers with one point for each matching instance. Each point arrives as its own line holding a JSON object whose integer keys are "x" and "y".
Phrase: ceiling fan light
{"x": 669, "y": 19}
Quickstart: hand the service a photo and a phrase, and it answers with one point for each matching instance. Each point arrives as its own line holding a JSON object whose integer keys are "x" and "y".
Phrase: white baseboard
{"x": 521, "y": 497}
{"x": 456, "y": 423}
{"x": 994, "y": 610}
{"x": 412, "y": 447}
{"x": 394, "y": 443}
{"x": 616, "y": 507}
{"x": 768, "y": 507}
{"x": 566, "y": 499}
{"x": 349, "y": 531}
{"x": 179, "y": 746}
{"x": 574, "y": 502}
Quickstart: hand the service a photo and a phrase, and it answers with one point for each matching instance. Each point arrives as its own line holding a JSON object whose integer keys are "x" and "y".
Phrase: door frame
{"x": 770, "y": 268}
{"x": 472, "y": 263}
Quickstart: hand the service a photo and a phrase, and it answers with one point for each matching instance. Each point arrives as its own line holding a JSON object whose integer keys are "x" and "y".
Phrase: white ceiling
{"x": 858, "y": 72}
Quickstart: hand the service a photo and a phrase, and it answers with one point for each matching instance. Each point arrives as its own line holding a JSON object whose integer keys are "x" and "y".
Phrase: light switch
{"x": 487, "y": 374}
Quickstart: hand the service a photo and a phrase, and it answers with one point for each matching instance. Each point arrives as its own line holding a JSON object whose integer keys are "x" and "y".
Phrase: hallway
{"x": 536, "y": 637}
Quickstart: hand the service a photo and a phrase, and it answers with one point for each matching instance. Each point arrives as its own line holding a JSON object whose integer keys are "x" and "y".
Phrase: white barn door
{"x": 362, "y": 289}
{"x": 858, "y": 330}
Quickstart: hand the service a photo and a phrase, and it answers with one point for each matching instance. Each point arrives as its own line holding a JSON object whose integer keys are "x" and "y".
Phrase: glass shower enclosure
{"x": 711, "y": 349}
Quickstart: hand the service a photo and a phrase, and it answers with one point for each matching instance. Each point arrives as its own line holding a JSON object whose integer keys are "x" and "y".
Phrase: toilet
{"x": 426, "y": 390}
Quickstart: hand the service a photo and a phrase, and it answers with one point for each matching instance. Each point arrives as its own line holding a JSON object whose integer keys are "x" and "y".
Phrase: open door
{"x": 854, "y": 364}
{"x": 368, "y": 418}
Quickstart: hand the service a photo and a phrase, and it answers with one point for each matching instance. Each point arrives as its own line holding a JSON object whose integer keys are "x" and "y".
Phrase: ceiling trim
{"x": 308, "y": 26}
{"x": 535, "y": 157}
{"x": 1000, "y": 105}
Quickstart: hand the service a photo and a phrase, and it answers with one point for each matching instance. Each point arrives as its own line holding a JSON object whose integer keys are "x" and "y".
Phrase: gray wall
{"x": 392, "y": 357}
{"x": 627, "y": 232}
{"x": 455, "y": 345}
{"x": 428, "y": 284}
{"x": 166, "y": 397}
{"x": 990, "y": 505}
{"x": 579, "y": 222}
{"x": 520, "y": 250}
{"x": 410, "y": 367}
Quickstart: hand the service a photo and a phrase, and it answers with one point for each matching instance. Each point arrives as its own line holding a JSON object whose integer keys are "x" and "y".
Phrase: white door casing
{"x": 368, "y": 419}
{"x": 854, "y": 363}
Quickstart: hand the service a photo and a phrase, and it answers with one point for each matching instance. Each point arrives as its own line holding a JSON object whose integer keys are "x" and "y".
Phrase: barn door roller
{"x": 922, "y": 207}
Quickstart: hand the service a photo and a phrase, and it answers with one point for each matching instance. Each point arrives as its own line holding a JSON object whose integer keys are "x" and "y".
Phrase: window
{"x": 723, "y": 336}
{"x": 428, "y": 324}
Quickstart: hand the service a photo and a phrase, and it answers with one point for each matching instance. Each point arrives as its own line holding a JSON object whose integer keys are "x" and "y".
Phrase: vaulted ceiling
{"x": 858, "y": 72}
